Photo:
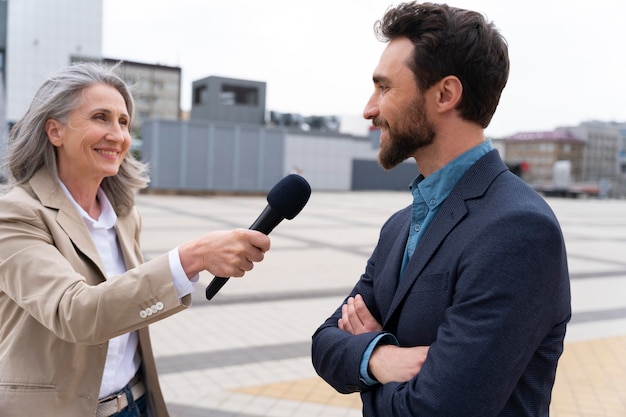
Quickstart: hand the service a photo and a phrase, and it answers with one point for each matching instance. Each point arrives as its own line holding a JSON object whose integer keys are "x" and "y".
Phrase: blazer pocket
{"x": 432, "y": 282}
{"x": 22, "y": 387}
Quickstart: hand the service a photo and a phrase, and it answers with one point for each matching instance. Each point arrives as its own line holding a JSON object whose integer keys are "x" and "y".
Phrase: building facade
{"x": 540, "y": 151}
{"x": 41, "y": 36}
{"x": 37, "y": 37}
{"x": 605, "y": 155}
{"x": 224, "y": 99}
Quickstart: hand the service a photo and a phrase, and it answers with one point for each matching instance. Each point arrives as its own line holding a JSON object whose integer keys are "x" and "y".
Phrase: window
{"x": 236, "y": 95}
{"x": 227, "y": 98}
{"x": 200, "y": 94}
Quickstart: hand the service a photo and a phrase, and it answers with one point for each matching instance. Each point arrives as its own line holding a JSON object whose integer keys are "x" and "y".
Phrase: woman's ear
{"x": 450, "y": 93}
{"x": 53, "y": 130}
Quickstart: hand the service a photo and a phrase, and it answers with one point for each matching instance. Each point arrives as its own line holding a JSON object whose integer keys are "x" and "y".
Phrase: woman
{"x": 75, "y": 294}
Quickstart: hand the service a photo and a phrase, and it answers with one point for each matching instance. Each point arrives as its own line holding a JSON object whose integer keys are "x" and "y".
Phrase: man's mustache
{"x": 379, "y": 122}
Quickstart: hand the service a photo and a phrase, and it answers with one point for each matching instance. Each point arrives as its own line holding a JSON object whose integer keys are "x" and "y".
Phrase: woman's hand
{"x": 224, "y": 253}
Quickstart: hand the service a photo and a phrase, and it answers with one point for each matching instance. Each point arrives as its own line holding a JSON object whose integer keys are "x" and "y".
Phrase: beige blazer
{"x": 58, "y": 310}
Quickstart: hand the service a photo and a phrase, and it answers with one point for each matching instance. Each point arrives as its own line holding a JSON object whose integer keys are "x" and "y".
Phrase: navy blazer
{"x": 487, "y": 289}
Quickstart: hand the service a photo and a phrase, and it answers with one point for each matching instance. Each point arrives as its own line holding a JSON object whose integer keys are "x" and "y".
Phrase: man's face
{"x": 397, "y": 107}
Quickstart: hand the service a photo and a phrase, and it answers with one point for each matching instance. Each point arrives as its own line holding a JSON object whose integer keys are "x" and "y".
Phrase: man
{"x": 463, "y": 305}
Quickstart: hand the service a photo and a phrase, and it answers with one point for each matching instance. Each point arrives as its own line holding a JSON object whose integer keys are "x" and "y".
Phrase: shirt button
{"x": 432, "y": 202}
{"x": 417, "y": 227}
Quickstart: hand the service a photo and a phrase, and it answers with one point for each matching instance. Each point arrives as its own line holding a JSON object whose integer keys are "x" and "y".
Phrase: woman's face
{"x": 93, "y": 142}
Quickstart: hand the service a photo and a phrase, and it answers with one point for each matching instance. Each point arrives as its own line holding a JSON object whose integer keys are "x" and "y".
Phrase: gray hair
{"x": 29, "y": 148}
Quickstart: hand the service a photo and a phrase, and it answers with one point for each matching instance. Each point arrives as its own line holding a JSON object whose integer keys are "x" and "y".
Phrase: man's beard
{"x": 413, "y": 132}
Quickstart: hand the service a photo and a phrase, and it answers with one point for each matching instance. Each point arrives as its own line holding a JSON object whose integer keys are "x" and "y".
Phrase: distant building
{"x": 605, "y": 156}
{"x": 605, "y": 144}
{"x": 540, "y": 150}
{"x": 330, "y": 123}
{"x": 596, "y": 152}
{"x": 221, "y": 99}
{"x": 227, "y": 145}
{"x": 37, "y": 37}
{"x": 3, "y": 40}
{"x": 41, "y": 36}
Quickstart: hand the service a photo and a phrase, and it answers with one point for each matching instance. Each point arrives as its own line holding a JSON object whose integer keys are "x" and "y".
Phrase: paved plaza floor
{"x": 246, "y": 353}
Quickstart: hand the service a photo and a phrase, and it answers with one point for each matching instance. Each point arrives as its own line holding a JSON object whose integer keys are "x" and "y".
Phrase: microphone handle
{"x": 265, "y": 223}
{"x": 215, "y": 286}
{"x": 267, "y": 220}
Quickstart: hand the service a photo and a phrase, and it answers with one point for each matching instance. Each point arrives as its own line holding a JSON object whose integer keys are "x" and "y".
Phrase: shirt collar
{"x": 435, "y": 188}
{"x": 107, "y": 217}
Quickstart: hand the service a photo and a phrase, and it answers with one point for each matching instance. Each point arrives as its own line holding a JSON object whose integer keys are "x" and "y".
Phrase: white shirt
{"x": 123, "y": 360}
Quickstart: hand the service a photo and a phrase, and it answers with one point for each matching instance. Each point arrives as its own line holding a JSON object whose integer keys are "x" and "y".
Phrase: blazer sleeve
{"x": 43, "y": 273}
{"x": 336, "y": 354}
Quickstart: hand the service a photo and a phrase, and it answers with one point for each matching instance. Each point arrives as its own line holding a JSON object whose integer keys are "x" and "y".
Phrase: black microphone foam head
{"x": 289, "y": 196}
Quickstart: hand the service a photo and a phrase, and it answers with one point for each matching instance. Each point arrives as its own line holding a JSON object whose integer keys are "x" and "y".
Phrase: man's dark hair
{"x": 452, "y": 41}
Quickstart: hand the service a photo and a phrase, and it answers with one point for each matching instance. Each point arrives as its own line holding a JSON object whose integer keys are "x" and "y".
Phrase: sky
{"x": 317, "y": 57}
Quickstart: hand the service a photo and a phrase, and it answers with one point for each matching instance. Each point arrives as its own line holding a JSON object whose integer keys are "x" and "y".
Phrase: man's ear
{"x": 450, "y": 93}
{"x": 53, "y": 130}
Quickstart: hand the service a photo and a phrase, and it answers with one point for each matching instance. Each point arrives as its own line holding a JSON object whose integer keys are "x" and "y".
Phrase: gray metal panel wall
{"x": 368, "y": 175}
{"x": 198, "y": 153}
{"x": 3, "y": 25}
{"x": 212, "y": 156}
{"x": 224, "y": 159}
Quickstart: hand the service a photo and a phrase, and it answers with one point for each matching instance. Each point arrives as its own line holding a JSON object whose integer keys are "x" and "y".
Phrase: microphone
{"x": 284, "y": 201}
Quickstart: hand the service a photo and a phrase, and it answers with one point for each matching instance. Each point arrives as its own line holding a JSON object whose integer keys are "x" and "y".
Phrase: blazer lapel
{"x": 52, "y": 196}
{"x": 385, "y": 286}
{"x": 451, "y": 212}
{"x": 124, "y": 229}
{"x": 473, "y": 184}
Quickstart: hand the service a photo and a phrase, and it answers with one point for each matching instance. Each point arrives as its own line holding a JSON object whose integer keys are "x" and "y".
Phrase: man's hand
{"x": 356, "y": 317}
{"x": 390, "y": 363}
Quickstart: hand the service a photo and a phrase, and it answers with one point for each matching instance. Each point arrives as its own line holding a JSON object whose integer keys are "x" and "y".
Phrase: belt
{"x": 115, "y": 403}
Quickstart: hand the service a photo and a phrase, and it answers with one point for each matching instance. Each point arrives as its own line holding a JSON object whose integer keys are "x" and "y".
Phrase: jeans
{"x": 134, "y": 408}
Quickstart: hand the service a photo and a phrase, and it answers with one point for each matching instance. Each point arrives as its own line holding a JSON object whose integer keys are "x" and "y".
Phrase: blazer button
{"x": 153, "y": 309}
{"x": 143, "y": 314}
{"x": 159, "y": 305}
